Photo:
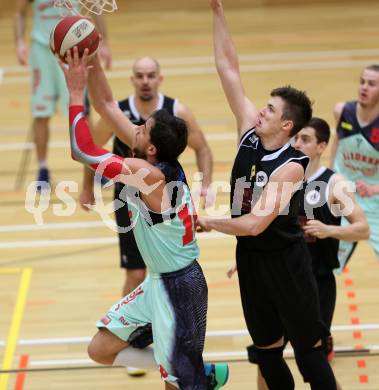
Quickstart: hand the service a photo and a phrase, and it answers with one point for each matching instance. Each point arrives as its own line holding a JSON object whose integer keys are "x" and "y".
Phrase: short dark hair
{"x": 297, "y": 106}
{"x": 322, "y": 129}
{"x": 374, "y": 67}
{"x": 169, "y": 135}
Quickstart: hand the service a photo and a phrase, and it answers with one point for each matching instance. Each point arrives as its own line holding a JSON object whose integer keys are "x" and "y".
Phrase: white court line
{"x": 206, "y": 355}
{"x": 206, "y": 70}
{"x": 243, "y": 57}
{"x": 86, "y": 241}
{"x": 222, "y": 136}
{"x": 214, "y": 333}
{"x": 53, "y": 226}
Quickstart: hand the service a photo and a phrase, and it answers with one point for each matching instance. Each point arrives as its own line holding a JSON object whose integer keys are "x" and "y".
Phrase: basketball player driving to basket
{"x": 170, "y": 306}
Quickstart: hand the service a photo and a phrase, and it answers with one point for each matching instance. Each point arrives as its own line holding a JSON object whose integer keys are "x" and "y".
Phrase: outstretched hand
{"x": 76, "y": 74}
{"x": 215, "y": 4}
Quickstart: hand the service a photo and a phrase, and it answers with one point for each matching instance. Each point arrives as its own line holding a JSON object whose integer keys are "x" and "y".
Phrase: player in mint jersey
{"x": 355, "y": 153}
{"x": 47, "y": 82}
{"x": 172, "y": 300}
{"x": 146, "y": 80}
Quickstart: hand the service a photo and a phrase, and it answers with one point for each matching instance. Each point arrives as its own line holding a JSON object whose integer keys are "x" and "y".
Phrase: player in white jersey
{"x": 172, "y": 301}
{"x": 355, "y": 152}
{"x": 47, "y": 81}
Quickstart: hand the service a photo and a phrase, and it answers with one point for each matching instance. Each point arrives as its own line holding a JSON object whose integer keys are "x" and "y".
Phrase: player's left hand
{"x": 317, "y": 229}
{"x": 203, "y": 225}
{"x": 76, "y": 73}
{"x": 231, "y": 271}
{"x": 365, "y": 190}
{"x": 208, "y": 196}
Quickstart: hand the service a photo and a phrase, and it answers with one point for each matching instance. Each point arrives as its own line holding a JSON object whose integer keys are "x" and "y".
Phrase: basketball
{"x": 74, "y": 31}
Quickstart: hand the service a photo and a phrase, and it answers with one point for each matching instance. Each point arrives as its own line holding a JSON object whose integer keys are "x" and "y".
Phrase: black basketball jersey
{"x": 314, "y": 205}
{"x": 252, "y": 169}
{"x": 348, "y": 126}
{"x": 129, "y": 108}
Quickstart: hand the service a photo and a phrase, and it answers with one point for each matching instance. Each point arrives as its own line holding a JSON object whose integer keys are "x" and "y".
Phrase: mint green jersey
{"x": 45, "y": 17}
{"x": 357, "y": 156}
{"x": 167, "y": 241}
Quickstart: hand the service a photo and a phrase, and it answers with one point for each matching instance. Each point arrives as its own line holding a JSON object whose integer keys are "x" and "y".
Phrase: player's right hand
{"x": 22, "y": 53}
{"x": 86, "y": 199}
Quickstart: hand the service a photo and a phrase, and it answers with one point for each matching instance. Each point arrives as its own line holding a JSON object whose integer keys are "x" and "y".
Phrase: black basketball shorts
{"x": 279, "y": 296}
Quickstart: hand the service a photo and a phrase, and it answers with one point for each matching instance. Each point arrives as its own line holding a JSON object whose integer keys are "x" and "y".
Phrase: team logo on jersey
{"x": 374, "y": 136}
{"x": 261, "y": 179}
{"x": 127, "y": 113}
{"x": 312, "y": 197}
{"x": 347, "y": 126}
{"x": 106, "y": 320}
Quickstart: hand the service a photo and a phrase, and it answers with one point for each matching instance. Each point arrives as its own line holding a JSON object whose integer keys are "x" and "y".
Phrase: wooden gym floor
{"x": 58, "y": 278}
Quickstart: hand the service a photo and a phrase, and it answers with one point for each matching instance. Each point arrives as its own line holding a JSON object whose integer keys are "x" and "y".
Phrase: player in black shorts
{"x": 278, "y": 290}
{"x": 325, "y": 195}
{"x": 146, "y": 80}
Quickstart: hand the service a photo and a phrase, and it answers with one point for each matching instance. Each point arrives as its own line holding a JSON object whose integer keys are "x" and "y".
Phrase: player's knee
{"x": 272, "y": 365}
{"x": 97, "y": 353}
{"x": 315, "y": 368}
{"x": 135, "y": 277}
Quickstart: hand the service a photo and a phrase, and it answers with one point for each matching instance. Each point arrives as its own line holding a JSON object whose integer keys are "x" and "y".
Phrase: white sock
{"x": 135, "y": 357}
{"x": 42, "y": 164}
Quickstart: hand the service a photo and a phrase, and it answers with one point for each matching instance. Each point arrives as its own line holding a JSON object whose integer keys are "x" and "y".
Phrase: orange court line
{"x": 20, "y": 379}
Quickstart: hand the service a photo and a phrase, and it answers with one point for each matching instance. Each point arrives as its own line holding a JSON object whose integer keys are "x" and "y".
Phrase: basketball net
{"x": 86, "y": 7}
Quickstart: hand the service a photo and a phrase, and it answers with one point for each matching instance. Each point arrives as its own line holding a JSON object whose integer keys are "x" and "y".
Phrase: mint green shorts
{"x": 175, "y": 305}
{"x": 347, "y": 248}
{"x": 48, "y": 83}
{"x": 147, "y": 304}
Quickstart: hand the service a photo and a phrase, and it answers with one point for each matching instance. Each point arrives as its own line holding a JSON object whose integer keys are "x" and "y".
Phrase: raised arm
{"x": 103, "y": 102}
{"x": 19, "y": 32}
{"x": 132, "y": 171}
{"x": 101, "y": 135}
{"x": 104, "y": 51}
{"x": 197, "y": 142}
{"x": 227, "y": 66}
{"x": 334, "y": 144}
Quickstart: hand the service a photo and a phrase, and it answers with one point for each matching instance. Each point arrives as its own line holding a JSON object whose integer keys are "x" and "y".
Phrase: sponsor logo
{"x": 123, "y": 321}
{"x": 374, "y": 136}
{"x": 129, "y": 298}
{"x": 164, "y": 373}
{"x": 347, "y": 126}
{"x": 360, "y": 157}
{"x": 79, "y": 30}
{"x": 106, "y": 320}
{"x": 254, "y": 141}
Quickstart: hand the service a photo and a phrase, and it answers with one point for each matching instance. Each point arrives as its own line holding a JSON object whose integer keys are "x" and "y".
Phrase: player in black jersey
{"x": 146, "y": 80}
{"x": 278, "y": 290}
{"x": 326, "y": 194}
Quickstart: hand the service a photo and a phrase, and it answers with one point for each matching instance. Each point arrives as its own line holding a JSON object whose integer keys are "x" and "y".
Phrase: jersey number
{"x": 185, "y": 217}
